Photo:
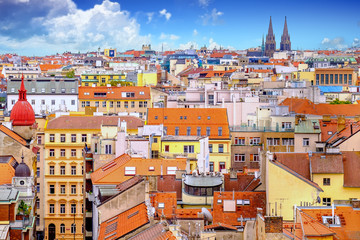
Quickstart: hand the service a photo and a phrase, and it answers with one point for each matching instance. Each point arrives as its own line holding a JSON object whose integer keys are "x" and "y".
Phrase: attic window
{"x": 141, "y": 93}
{"x": 208, "y": 117}
{"x": 130, "y": 171}
{"x": 161, "y": 205}
{"x": 151, "y": 168}
{"x": 100, "y": 94}
{"x": 239, "y": 202}
{"x": 165, "y": 117}
{"x": 330, "y": 132}
{"x": 156, "y": 117}
{"x": 246, "y": 202}
{"x": 219, "y": 201}
{"x": 199, "y": 117}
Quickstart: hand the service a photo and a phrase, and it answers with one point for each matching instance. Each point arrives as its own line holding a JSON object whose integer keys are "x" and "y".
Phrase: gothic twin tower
{"x": 270, "y": 43}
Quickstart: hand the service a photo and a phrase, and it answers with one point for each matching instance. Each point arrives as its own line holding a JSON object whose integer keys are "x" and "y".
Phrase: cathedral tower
{"x": 285, "y": 44}
{"x": 270, "y": 44}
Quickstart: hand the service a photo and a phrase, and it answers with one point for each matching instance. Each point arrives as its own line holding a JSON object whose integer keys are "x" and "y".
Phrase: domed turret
{"x": 22, "y": 113}
{"x": 22, "y": 170}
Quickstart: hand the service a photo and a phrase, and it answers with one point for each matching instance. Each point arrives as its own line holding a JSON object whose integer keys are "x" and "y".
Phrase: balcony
{"x": 88, "y": 214}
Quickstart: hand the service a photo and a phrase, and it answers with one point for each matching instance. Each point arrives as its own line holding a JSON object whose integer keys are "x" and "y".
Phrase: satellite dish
{"x": 207, "y": 214}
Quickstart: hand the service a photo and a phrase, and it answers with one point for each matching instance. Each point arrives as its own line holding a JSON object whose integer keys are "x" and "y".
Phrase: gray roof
{"x": 203, "y": 181}
{"x": 8, "y": 194}
{"x": 44, "y": 86}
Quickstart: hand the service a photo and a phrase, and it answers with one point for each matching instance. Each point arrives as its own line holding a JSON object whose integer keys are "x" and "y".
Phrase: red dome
{"x": 22, "y": 114}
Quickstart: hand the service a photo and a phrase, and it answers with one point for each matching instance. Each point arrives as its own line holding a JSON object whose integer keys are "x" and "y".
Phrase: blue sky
{"x": 37, "y": 27}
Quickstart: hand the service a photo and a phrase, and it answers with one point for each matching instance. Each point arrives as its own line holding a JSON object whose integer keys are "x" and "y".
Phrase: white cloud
{"x": 356, "y": 43}
{"x": 335, "y": 43}
{"x": 204, "y": 3}
{"x": 212, "y": 18}
{"x": 104, "y": 25}
{"x": 150, "y": 16}
{"x": 213, "y": 44}
{"x": 172, "y": 37}
{"x": 165, "y": 13}
{"x": 188, "y": 45}
{"x": 195, "y": 32}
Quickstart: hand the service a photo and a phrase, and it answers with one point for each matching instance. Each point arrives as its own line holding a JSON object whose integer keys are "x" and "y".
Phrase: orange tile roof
{"x": 47, "y": 67}
{"x": 124, "y": 223}
{"x": 155, "y": 232}
{"x": 305, "y": 106}
{"x": 257, "y": 200}
{"x": 349, "y": 218}
{"x": 114, "y": 93}
{"x": 313, "y": 228}
{"x": 191, "y": 117}
{"x": 7, "y": 169}
{"x": 188, "y": 213}
{"x": 13, "y": 135}
{"x": 170, "y": 204}
{"x": 114, "y": 171}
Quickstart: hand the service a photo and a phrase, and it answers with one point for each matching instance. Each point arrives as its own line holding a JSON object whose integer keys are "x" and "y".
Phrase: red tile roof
{"x": 155, "y": 232}
{"x": 257, "y": 200}
{"x": 305, "y": 106}
{"x": 92, "y": 122}
{"x": 124, "y": 222}
{"x": 313, "y": 228}
{"x": 351, "y": 169}
{"x": 298, "y": 162}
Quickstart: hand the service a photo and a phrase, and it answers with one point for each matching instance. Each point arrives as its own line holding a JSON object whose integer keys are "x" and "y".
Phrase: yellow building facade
{"x": 63, "y": 183}
{"x": 147, "y": 79}
{"x": 102, "y": 79}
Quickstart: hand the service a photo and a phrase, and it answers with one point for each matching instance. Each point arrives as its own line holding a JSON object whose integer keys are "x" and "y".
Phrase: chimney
{"x": 273, "y": 224}
{"x": 340, "y": 123}
{"x": 355, "y": 203}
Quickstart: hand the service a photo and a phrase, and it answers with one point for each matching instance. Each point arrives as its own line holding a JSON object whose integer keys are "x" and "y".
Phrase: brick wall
{"x": 273, "y": 224}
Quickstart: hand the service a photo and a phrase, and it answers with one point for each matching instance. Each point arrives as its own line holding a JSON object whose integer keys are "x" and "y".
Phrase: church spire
{"x": 270, "y": 31}
{"x": 285, "y": 44}
{"x": 22, "y": 90}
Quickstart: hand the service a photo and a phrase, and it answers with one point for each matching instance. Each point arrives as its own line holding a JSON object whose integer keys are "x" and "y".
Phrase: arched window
{"x": 62, "y": 228}
{"x": 73, "y": 228}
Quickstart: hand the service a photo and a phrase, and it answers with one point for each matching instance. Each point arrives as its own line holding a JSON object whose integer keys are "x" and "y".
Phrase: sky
{"x": 38, "y": 27}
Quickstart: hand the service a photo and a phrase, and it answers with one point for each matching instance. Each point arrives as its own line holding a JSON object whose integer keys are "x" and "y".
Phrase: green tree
{"x": 70, "y": 74}
{"x": 337, "y": 101}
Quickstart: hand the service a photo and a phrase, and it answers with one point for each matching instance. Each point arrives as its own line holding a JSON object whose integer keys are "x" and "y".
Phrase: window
{"x": 326, "y": 201}
{"x": 211, "y": 166}
{"x": 108, "y": 149}
{"x": 62, "y": 228}
{"x": 207, "y": 131}
{"x": 130, "y": 171}
{"x": 306, "y": 142}
{"x": 38, "y": 157}
{"x": 273, "y": 141}
{"x": 62, "y": 152}
{"x": 189, "y": 149}
{"x": 38, "y": 203}
{"x": 111, "y": 104}
{"x": 32, "y": 102}
{"x": 84, "y": 138}
{"x": 73, "y": 189}
{"x": 62, "y": 189}
{"x": 33, "y": 90}
{"x": 145, "y": 104}
{"x": 42, "y": 90}
{"x": 198, "y": 131}
{"x": 221, "y": 148}
{"x": 73, "y": 90}
{"x": 52, "y": 189}
{"x": 73, "y": 228}
{"x": 219, "y": 131}
{"x": 154, "y": 154}
{"x": 42, "y": 101}
{"x": 52, "y": 137}
{"x": 104, "y": 103}
{"x": 96, "y": 103}
{"x": 73, "y": 138}
{"x": 239, "y": 140}
{"x": 38, "y": 187}
{"x": 254, "y": 157}
{"x": 167, "y": 148}
{"x": 88, "y": 103}
{"x": 288, "y": 142}
{"x": 254, "y": 141}
{"x": 13, "y": 102}
{"x": 118, "y": 104}
{"x": 171, "y": 170}
{"x": 326, "y": 181}
{"x": 239, "y": 157}
{"x": 286, "y": 125}
{"x": 37, "y": 172}
{"x": 132, "y": 104}
{"x": 141, "y": 104}
{"x": 73, "y": 170}
{"x": 221, "y": 165}
{"x": 176, "y": 131}
{"x": 62, "y": 170}
{"x": 155, "y": 140}
{"x": 52, "y": 208}
{"x": 38, "y": 139}
{"x": 73, "y": 208}
{"x": 188, "y": 131}
{"x": 52, "y": 170}
{"x": 62, "y": 208}
{"x": 82, "y": 104}
{"x": 126, "y": 104}
{"x": 165, "y": 131}
{"x": 52, "y": 102}
{"x": 73, "y": 152}
{"x": 63, "y": 90}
